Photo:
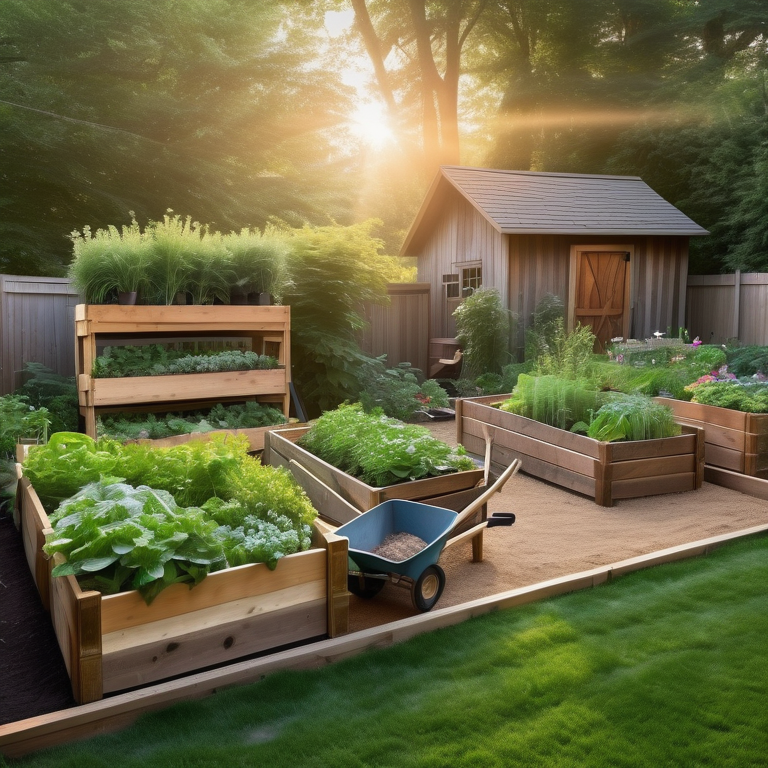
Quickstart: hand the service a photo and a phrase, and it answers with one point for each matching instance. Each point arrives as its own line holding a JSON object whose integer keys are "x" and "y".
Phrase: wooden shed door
{"x": 602, "y": 291}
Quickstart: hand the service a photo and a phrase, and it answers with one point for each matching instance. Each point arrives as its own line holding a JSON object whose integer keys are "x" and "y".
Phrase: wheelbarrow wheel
{"x": 428, "y": 588}
{"x": 364, "y": 586}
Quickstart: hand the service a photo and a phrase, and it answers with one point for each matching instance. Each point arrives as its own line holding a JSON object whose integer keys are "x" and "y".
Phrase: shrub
{"x": 750, "y": 397}
{"x": 334, "y": 272}
{"x": 747, "y": 361}
{"x": 544, "y": 323}
{"x": 44, "y": 388}
{"x": 483, "y": 329}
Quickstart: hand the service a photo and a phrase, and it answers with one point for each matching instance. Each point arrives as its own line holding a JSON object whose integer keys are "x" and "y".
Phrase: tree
{"x": 216, "y": 108}
{"x": 416, "y": 50}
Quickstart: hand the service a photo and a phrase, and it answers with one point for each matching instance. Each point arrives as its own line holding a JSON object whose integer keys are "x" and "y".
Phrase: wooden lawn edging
{"x": 734, "y": 440}
{"x": 453, "y": 491}
{"x": 113, "y": 642}
{"x": 117, "y": 712}
{"x": 604, "y": 471}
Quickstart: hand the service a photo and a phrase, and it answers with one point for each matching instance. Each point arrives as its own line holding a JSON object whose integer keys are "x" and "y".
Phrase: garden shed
{"x": 610, "y": 247}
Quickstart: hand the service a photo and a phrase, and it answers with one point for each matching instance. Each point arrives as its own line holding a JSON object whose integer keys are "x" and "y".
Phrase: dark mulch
{"x": 33, "y": 678}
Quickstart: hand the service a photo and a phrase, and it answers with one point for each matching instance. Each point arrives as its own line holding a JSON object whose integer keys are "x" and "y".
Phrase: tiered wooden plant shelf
{"x": 110, "y": 643}
{"x": 453, "y": 491}
{"x": 734, "y": 440}
{"x": 262, "y": 329}
{"x": 604, "y": 471}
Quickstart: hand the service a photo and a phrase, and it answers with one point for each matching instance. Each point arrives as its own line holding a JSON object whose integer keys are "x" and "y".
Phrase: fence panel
{"x": 401, "y": 330}
{"x": 722, "y": 307}
{"x": 37, "y": 324}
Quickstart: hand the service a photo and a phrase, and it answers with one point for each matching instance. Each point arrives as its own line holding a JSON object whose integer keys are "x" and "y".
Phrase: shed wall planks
{"x": 539, "y": 264}
{"x": 459, "y": 234}
{"x": 37, "y": 324}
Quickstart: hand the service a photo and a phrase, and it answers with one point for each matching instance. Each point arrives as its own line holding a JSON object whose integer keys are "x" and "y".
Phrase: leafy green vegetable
{"x": 65, "y": 464}
{"x": 134, "y": 426}
{"x": 157, "y": 360}
{"x": 118, "y": 537}
{"x": 379, "y": 450}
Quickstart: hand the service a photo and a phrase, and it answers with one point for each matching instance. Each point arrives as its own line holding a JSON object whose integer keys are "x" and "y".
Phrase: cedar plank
{"x": 537, "y": 449}
{"x": 652, "y": 486}
{"x": 530, "y": 428}
{"x": 128, "y": 609}
{"x": 181, "y": 653}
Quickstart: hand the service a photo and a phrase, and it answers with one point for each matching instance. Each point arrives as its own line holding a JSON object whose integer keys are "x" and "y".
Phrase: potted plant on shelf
{"x": 258, "y": 264}
{"x": 111, "y": 263}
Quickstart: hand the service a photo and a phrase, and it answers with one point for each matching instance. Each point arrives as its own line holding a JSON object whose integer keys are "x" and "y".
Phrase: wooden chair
{"x": 446, "y": 368}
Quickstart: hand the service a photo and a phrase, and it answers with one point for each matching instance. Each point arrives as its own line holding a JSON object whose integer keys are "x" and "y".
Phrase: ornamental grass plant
{"x": 667, "y": 666}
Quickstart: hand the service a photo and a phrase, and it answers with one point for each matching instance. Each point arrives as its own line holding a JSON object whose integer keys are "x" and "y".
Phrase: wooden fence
{"x": 37, "y": 324}
{"x": 401, "y": 330}
{"x": 722, "y": 307}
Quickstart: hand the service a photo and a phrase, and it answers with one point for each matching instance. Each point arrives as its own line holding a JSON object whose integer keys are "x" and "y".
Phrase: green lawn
{"x": 665, "y": 667}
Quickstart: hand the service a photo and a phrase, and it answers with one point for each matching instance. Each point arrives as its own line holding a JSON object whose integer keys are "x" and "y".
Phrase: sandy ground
{"x": 559, "y": 532}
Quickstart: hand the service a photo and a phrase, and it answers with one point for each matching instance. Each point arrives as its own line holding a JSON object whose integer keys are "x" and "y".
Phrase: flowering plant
{"x": 721, "y": 374}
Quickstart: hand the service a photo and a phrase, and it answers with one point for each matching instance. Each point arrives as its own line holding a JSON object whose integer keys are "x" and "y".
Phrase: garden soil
{"x": 557, "y": 532}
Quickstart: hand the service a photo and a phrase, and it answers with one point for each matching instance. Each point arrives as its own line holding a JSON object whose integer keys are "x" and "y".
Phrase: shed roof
{"x": 529, "y": 202}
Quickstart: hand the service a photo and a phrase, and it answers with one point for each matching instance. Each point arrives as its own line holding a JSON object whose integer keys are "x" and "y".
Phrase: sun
{"x": 370, "y": 123}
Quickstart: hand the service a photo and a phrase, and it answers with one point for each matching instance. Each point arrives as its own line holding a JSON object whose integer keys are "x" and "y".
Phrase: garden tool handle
{"x": 473, "y": 506}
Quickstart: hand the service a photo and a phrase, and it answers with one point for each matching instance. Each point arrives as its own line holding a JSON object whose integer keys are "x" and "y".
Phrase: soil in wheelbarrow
{"x": 558, "y": 532}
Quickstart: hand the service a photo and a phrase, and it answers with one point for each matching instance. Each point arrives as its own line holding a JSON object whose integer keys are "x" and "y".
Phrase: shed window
{"x": 451, "y": 283}
{"x": 471, "y": 280}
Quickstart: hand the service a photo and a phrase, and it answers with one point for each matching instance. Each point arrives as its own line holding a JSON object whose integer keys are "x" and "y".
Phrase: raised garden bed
{"x": 452, "y": 491}
{"x": 110, "y": 643}
{"x": 604, "y": 471}
{"x": 733, "y": 440}
{"x": 265, "y": 329}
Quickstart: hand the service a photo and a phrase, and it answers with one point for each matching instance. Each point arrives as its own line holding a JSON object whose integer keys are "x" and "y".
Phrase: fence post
{"x": 736, "y": 300}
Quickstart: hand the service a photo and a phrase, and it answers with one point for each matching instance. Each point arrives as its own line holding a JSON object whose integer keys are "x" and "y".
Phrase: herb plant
{"x": 739, "y": 395}
{"x": 555, "y": 401}
{"x": 379, "y": 450}
{"x": 632, "y": 417}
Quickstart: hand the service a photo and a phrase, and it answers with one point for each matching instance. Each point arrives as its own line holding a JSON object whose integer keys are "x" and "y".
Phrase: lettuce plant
{"x": 115, "y": 537}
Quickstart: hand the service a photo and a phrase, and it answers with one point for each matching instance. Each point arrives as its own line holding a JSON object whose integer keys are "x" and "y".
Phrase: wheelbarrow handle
{"x": 473, "y": 506}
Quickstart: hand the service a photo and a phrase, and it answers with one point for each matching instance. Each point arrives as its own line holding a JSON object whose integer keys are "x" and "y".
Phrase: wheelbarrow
{"x": 420, "y": 572}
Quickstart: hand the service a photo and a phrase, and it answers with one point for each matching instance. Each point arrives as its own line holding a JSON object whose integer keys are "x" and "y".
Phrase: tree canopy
{"x": 238, "y": 112}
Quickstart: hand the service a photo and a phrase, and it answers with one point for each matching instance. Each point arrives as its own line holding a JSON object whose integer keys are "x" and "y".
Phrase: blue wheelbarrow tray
{"x": 431, "y": 524}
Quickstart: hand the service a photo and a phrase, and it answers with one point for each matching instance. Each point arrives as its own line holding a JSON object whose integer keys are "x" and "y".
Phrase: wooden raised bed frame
{"x": 110, "y": 643}
{"x": 453, "y": 491}
{"x": 268, "y": 327}
{"x": 734, "y": 440}
{"x": 604, "y": 471}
